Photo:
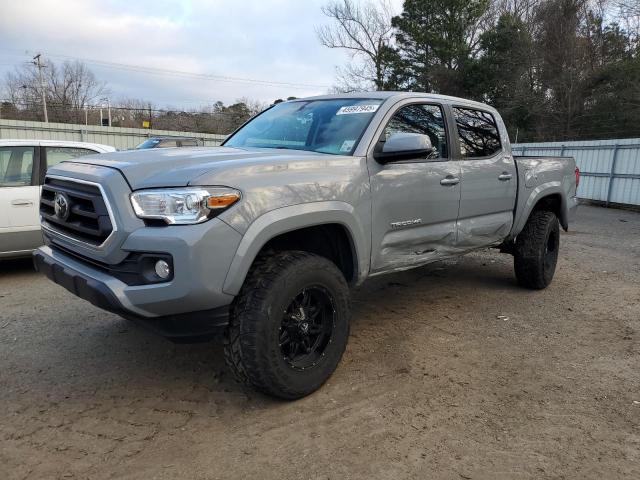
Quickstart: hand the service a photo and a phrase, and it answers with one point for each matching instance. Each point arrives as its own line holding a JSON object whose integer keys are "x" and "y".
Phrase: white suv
{"x": 23, "y": 164}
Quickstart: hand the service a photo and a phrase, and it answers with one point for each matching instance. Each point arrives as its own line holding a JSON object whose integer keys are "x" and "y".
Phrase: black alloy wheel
{"x": 307, "y": 326}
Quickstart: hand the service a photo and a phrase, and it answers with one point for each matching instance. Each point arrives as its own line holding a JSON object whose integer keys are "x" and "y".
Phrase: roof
{"x": 389, "y": 95}
{"x": 56, "y": 143}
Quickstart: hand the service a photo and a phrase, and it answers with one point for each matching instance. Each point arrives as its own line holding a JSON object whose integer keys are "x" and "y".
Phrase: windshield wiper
{"x": 285, "y": 147}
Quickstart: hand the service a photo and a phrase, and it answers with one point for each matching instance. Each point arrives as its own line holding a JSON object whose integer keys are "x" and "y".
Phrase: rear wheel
{"x": 289, "y": 325}
{"x": 536, "y": 250}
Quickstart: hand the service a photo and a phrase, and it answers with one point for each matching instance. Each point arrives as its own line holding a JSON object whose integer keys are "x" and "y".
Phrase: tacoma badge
{"x": 406, "y": 223}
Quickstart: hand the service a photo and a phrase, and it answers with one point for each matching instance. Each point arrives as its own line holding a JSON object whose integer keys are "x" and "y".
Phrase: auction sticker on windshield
{"x": 347, "y": 145}
{"x": 357, "y": 109}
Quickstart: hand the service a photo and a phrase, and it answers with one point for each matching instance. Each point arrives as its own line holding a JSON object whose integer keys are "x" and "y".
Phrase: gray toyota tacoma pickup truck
{"x": 261, "y": 238}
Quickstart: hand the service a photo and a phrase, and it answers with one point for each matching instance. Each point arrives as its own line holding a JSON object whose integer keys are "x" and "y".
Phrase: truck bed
{"x": 542, "y": 176}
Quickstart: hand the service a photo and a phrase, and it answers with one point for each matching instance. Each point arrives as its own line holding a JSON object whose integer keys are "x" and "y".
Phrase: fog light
{"x": 162, "y": 269}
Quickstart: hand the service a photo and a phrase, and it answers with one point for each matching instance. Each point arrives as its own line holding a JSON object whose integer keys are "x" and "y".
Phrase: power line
{"x": 22, "y": 103}
{"x": 180, "y": 73}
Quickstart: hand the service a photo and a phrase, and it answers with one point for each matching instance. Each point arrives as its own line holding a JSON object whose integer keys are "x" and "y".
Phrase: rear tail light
{"x": 577, "y": 177}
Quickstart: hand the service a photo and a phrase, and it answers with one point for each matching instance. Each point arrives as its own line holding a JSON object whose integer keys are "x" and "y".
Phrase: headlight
{"x": 183, "y": 206}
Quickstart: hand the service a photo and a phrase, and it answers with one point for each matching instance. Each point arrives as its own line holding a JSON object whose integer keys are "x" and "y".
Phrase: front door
{"x": 489, "y": 180}
{"x": 415, "y": 201}
{"x": 19, "y": 197}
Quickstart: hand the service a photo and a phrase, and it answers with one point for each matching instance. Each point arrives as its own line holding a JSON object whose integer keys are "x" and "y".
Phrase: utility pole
{"x": 37, "y": 63}
{"x": 108, "y": 109}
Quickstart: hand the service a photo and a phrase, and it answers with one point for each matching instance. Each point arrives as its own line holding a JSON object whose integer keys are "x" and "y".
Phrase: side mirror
{"x": 403, "y": 146}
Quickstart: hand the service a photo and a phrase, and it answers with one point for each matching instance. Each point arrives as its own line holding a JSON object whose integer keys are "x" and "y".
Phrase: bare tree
{"x": 521, "y": 9}
{"x": 74, "y": 84}
{"x": 365, "y": 31}
{"x": 629, "y": 7}
{"x": 22, "y": 86}
{"x": 629, "y": 17}
{"x": 255, "y": 106}
{"x": 68, "y": 88}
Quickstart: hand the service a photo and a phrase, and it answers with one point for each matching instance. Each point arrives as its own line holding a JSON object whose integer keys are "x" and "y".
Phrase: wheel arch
{"x": 290, "y": 226}
{"x": 553, "y": 202}
{"x": 550, "y": 197}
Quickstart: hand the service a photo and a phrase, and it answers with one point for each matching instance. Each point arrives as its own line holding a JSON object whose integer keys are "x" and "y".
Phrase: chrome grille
{"x": 85, "y": 216}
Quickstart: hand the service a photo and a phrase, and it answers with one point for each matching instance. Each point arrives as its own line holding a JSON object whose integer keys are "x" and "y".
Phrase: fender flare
{"x": 540, "y": 192}
{"x": 294, "y": 217}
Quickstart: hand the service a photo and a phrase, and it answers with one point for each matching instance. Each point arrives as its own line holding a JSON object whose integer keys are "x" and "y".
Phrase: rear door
{"x": 19, "y": 196}
{"x": 415, "y": 202}
{"x": 489, "y": 179}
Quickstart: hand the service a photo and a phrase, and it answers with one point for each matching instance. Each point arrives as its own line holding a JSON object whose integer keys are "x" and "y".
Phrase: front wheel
{"x": 536, "y": 250}
{"x": 289, "y": 325}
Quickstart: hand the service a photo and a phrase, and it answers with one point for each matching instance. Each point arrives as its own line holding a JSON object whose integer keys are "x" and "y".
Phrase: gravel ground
{"x": 452, "y": 372}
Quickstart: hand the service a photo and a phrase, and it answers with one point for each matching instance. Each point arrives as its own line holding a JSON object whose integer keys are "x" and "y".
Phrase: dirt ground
{"x": 452, "y": 372}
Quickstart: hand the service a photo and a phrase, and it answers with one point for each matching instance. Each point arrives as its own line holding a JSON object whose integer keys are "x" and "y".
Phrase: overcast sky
{"x": 272, "y": 40}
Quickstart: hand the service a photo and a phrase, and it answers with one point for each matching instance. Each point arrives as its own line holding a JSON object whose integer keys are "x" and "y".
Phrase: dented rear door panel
{"x": 488, "y": 197}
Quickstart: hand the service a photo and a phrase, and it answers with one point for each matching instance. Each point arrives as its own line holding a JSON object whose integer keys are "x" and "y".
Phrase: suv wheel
{"x": 289, "y": 325}
{"x": 536, "y": 250}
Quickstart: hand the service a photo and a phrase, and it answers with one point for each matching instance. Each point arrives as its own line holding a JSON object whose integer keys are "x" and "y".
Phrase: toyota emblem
{"x": 61, "y": 206}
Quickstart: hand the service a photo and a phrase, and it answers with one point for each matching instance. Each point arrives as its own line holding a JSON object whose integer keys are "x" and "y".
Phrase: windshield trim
{"x": 309, "y": 100}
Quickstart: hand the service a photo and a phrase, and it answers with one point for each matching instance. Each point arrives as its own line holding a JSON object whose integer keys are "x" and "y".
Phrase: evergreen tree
{"x": 435, "y": 40}
{"x": 504, "y": 76}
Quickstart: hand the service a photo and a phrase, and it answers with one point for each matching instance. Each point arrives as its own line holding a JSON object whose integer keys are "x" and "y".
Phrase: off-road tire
{"x": 536, "y": 250}
{"x": 251, "y": 341}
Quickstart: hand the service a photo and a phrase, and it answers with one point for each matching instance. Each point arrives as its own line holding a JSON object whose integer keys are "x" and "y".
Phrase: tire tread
{"x": 529, "y": 250}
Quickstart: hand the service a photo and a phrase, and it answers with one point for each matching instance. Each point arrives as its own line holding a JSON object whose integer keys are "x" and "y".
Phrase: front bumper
{"x": 108, "y": 293}
{"x": 92, "y": 290}
{"x": 191, "y": 304}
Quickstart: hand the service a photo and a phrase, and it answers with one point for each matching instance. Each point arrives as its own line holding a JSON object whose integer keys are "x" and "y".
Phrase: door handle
{"x": 449, "y": 181}
{"x": 20, "y": 203}
{"x": 504, "y": 176}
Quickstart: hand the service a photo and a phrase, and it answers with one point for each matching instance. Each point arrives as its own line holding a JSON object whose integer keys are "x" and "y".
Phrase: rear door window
{"x": 16, "y": 166}
{"x": 478, "y": 133}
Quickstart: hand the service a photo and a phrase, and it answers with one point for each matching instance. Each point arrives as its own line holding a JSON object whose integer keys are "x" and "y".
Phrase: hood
{"x": 178, "y": 167}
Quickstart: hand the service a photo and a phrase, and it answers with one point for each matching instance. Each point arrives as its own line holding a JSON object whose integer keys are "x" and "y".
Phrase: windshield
{"x": 324, "y": 126}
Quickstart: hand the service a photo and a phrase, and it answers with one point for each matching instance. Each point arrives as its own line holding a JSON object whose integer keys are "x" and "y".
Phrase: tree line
{"x": 73, "y": 94}
{"x": 555, "y": 69}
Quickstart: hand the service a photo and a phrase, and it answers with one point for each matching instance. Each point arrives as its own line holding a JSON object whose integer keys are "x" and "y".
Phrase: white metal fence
{"x": 120, "y": 138}
{"x": 610, "y": 169}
